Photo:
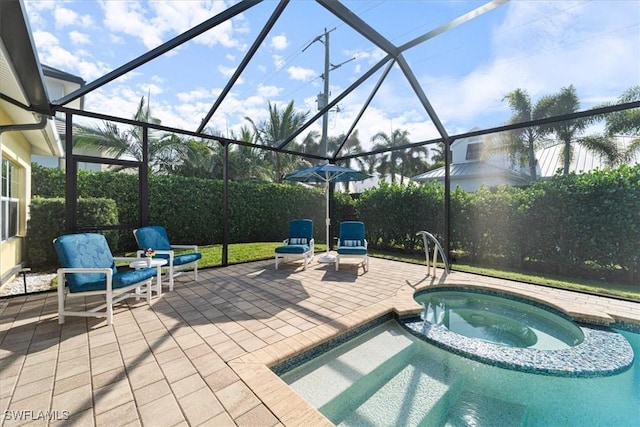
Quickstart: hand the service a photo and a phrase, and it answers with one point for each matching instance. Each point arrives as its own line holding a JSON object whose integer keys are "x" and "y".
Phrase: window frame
{"x": 9, "y": 201}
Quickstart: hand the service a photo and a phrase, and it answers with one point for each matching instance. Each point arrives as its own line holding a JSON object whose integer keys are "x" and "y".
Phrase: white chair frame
{"x": 111, "y": 295}
{"x": 365, "y": 257}
{"x": 175, "y": 270}
{"x": 306, "y": 256}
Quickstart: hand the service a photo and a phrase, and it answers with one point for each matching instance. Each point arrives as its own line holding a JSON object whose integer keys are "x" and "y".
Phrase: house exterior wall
{"x": 17, "y": 150}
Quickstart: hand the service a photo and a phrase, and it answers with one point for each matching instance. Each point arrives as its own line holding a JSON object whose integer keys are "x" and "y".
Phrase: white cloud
{"x": 269, "y": 91}
{"x": 278, "y": 61}
{"x": 64, "y": 17}
{"x": 86, "y": 21}
{"x": 44, "y": 39}
{"x": 51, "y": 53}
{"x": 130, "y": 18}
{"x": 116, "y": 39}
{"x": 302, "y": 74}
{"x": 166, "y": 19}
{"x": 279, "y": 42}
{"x": 150, "y": 88}
{"x": 35, "y": 10}
{"x": 226, "y": 71}
{"x": 77, "y": 37}
{"x": 194, "y": 95}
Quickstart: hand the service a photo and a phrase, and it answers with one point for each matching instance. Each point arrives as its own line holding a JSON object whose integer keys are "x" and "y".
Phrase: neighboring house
{"x": 357, "y": 187}
{"x": 472, "y": 165}
{"x": 582, "y": 160}
{"x": 25, "y": 129}
{"x": 59, "y": 84}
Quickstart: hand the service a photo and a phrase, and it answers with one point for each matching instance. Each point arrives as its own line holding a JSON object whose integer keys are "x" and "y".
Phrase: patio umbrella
{"x": 324, "y": 174}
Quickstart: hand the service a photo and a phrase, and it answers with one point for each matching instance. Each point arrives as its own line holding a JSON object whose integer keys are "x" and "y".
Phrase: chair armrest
{"x": 194, "y": 247}
{"x": 84, "y": 270}
{"x": 128, "y": 258}
{"x": 108, "y": 272}
{"x": 285, "y": 241}
{"x": 312, "y": 242}
{"x": 366, "y": 244}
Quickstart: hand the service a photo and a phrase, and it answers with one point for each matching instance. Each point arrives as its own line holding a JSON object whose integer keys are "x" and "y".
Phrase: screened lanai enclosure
{"x": 508, "y": 130}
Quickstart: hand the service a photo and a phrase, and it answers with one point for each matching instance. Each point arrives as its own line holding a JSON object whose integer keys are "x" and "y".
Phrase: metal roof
{"x": 469, "y": 170}
{"x": 582, "y": 160}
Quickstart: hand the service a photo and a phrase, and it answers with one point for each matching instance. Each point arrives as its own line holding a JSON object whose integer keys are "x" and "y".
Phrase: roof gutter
{"x": 27, "y": 126}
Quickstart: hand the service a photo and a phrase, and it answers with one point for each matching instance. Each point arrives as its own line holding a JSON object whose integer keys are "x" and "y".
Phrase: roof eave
{"x": 20, "y": 47}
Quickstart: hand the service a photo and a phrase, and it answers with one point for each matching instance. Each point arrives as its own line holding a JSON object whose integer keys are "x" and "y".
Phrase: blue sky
{"x": 465, "y": 72}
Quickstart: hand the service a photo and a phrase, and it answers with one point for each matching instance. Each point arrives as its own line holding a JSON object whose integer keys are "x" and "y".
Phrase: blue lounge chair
{"x": 299, "y": 244}
{"x": 155, "y": 237}
{"x": 88, "y": 268}
{"x": 352, "y": 243}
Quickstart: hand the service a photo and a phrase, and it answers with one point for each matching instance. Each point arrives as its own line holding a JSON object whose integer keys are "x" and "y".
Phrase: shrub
{"x": 47, "y": 222}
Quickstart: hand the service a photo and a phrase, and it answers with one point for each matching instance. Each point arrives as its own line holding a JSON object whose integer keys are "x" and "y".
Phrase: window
{"x": 474, "y": 151}
{"x": 9, "y": 202}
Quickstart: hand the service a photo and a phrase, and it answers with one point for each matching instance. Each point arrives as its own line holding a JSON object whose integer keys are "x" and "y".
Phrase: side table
{"x": 155, "y": 262}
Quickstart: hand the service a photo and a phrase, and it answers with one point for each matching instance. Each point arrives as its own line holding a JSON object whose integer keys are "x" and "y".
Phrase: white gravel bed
{"x": 35, "y": 282}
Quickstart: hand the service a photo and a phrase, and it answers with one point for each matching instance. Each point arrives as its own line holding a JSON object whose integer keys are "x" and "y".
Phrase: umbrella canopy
{"x": 325, "y": 174}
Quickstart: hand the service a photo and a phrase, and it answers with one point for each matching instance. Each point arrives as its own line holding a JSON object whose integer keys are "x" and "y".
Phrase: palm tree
{"x": 566, "y": 102}
{"x": 272, "y": 132}
{"x": 245, "y": 162}
{"x": 625, "y": 123}
{"x": 437, "y": 156}
{"x": 351, "y": 146}
{"x": 392, "y": 160}
{"x": 522, "y": 143}
{"x": 110, "y": 139}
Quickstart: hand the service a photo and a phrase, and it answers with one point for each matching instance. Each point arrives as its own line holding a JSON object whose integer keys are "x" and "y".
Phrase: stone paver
{"x": 200, "y": 355}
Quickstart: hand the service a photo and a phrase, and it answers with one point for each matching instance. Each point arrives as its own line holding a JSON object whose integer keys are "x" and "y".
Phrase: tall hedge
{"x": 568, "y": 224}
{"x": 191, "y": 208}
{"x": 47, "y": 222}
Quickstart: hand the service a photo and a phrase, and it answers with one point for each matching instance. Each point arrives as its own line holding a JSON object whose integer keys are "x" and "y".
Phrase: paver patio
{"x": 200, "y": 355}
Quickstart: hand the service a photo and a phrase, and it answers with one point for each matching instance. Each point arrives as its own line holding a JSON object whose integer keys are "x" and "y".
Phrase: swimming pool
{"x": 386, "y": 376}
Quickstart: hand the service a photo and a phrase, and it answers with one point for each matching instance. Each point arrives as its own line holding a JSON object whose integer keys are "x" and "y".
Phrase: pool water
{"x": 388, "y": 377}
{"x": 498, "y": 320}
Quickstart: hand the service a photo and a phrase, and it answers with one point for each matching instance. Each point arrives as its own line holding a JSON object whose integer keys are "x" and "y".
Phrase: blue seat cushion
{"x": 154, "y": 237}
{"x": 119, "y": 280}
{"x": 352, "y": 250}
{"x": 292, "y": 249}
{"x": 182, "y": 259}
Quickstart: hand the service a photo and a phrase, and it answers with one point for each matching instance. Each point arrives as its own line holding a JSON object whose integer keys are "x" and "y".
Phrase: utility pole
{"x": 323, "y": 101}
{"x": 325, "y": 97}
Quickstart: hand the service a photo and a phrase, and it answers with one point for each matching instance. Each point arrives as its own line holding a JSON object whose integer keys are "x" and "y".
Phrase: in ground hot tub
{"x": 512, "y": 333}
{"x": 499, "y": 320}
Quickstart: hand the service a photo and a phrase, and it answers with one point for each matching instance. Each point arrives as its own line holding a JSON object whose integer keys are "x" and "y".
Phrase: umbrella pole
{"x": 327, "y": 257}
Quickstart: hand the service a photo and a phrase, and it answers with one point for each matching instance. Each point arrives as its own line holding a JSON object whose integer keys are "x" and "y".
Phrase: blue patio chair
{"x": 299, "y": 244}
{"x": 88, "y": 268}
{"x": 155, "y": 237}
{"x": 352, "y": 243}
